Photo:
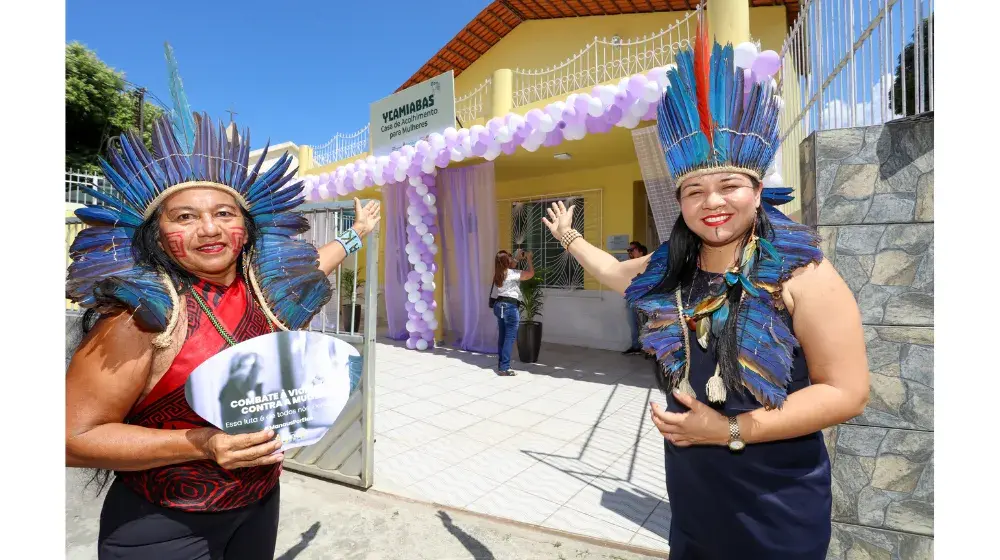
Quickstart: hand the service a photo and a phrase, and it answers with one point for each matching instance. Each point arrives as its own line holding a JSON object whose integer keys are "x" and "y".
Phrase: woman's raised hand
{"x": 366, "y": 218}
{"x": 560, "y": 219}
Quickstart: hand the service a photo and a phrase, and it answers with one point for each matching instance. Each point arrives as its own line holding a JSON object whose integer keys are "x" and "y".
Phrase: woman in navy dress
{"x": 758, "y": 339}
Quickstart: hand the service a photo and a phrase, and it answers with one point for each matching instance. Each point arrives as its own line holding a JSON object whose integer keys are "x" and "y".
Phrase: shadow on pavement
{"x": 472, "y": 544}
{"x": 303, "y": 543}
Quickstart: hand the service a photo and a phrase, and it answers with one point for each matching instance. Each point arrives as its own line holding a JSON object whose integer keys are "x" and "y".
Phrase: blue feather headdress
{"x": 282, "y": 271}
{"x": 705, "y": 127}
{"x": 704, "y": 123}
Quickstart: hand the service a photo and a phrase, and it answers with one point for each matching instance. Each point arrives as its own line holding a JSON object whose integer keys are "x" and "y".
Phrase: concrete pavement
{"x": 323, "y": 520}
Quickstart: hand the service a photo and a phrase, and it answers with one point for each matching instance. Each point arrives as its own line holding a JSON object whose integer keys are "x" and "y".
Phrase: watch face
{"x": 736, "y": 445}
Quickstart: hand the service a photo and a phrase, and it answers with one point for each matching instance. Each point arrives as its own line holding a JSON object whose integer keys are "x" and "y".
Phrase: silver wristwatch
{"x": 736, "y": 443}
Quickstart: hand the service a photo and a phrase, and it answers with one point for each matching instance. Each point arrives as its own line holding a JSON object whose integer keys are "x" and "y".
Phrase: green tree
{"x": 909, "y": 57}
{"x": 98, "y": 107}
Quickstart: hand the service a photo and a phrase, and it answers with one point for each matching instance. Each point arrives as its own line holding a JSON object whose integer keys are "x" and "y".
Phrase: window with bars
{"x": 561, "y": 270}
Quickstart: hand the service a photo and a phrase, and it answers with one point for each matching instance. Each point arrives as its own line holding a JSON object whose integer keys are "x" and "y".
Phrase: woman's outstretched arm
{"x": 608, "y": 270}
{"x": 365, "y": 219}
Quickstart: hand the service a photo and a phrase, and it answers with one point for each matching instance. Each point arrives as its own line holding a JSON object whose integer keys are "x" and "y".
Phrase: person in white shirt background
{"x": 507, "y": 280}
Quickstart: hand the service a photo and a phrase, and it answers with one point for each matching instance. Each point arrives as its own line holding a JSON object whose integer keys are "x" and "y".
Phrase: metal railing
{"x": 470, "y": 107}
{"x": 76, "y": 179}
{"x": 342, "y": 146}
{"x": 857, "y": 63}
{"x": 604, "y": 60}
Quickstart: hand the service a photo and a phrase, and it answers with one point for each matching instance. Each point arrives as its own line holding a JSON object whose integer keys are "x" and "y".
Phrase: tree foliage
{"x": 908, "y": 59}
{"x": 99, "y": 106}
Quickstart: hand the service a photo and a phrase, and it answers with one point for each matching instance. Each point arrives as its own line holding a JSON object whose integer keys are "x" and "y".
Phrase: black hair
{"x": 148, "y": 253}
{"x": 682, "y": 265}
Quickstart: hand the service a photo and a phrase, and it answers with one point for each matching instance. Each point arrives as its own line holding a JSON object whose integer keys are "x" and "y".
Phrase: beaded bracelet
{"x": 350, "y": 240}
{"x": 569, "y": 237}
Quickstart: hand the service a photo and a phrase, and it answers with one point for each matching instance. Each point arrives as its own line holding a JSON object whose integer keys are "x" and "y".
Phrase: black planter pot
{"x": 345, "y": 314}
{"x": 529, "y": 341}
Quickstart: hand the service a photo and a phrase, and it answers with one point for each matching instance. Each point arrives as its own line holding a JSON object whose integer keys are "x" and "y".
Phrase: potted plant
{"x": 529, "y": 332}
{"x": 347, "y": 276}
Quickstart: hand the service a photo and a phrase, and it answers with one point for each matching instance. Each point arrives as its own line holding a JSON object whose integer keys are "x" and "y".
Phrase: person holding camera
{"x": 507, "y": 280}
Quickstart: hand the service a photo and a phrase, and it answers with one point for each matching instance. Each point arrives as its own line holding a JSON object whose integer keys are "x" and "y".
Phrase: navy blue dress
{"x": 771, "y": 501}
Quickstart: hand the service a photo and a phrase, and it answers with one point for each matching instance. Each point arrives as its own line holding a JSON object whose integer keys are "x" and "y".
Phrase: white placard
{"x": 294, "y": 382}
{"x": 409, "y": 115}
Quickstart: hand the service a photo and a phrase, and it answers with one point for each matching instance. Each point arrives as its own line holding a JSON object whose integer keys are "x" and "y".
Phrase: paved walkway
{"x": 567, "y": 446}
{"x": 327, "y": 521}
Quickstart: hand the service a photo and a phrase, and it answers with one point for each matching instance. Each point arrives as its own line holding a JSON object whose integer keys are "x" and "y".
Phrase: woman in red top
{"x": 200, "y": 242}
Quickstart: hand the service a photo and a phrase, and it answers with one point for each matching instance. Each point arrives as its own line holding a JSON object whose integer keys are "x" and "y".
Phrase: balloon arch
{"x": 631, "y": 101}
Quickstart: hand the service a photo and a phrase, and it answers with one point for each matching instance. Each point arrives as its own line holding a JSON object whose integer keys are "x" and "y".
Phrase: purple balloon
{"x": 428, "y": 335}
{"x": 433, "y": 306}
{"x": 427, "y": 296}
{"x": 428, "y": 219}
{"x": 622, "y": 100}
{"x": 410, "y": 308}
{"x": 427, "y": 258}
{"x": 429, "y": 180}
{"x": 569, "y": 114}
{"x": 766, "y": 64}
{"x": 614, "y": 114}
{"x": 413, "y": 276}
{"x": 479, "y": 148}
{"x": 593, "y": 125}
{"x": 442, "y": 160}
{"x": 534, "y": 117}
{"x": 413, "y": 170}
{"x": 510, "y": 147}
{"x": 421, "y": 249}
{"x": 553, "y": 138}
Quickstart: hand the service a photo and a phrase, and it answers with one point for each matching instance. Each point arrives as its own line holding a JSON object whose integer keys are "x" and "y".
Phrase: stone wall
{"x": 870, "y": 192}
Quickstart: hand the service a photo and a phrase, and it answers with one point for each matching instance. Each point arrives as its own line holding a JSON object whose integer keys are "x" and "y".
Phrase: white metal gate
{"x": 346, "y": 452}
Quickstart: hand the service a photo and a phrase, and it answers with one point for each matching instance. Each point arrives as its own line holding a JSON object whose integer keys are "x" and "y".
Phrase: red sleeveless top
{"x": 200, "y": 486}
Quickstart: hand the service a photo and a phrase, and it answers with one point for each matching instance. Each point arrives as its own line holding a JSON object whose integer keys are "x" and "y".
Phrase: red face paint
{"x": 175, "y": 243}
{"x": 239, "y": 236}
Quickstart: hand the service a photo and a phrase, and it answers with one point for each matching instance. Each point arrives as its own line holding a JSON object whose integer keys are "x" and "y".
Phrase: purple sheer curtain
{"x": 396, "y": 266}
{"x": 469, "y": 241}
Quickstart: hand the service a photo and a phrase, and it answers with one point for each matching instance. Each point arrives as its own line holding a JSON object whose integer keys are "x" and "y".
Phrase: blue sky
{"x": 301, "y": 72}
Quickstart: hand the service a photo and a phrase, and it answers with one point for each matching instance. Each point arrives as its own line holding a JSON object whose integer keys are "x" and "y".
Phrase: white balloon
{"x": 421, "y": 189}
{"x": 427, "y": 277}
{"x": 640, "y": 108}
{"x": 595, "y": 107}
{"x": 429, "y": 199}
{"x": 744, "y": 54}
{"x": 428, "y": 316}
{"x": 420, "y": 267}
{"x": 531, "y": 146}
{"x": 651, "y": 92}
{"x": 410, "y": 326}
{"x": 413, "y": 259}
{"x": 420, "y": 306}
{"x": 492, "y": 153}
{"x": 429, "y": 287}
{"x": 409, "y": 248}
{"x": 555, "y": 110}
{"x": 427, "y": 238}
{"x": 433, "y": 248}
{"x": 421, "y": 228}
{"x": 421, "y": 345}
{"x": 399, "y": 174}
{"x": 459, "y": 155}
{"x": 432, "y": 210}
{"x": 414, "y": 220}
{"x": 428, "y": 165}
{"x": 537, "y": 136}
{"x": 413, "y": 297}
{"x": 432, "y": 324}
{"x": 503, "y": 134}
{"x": 547, "y": 123}
{"x": 606, "y": 94}
{"x": 379, "y": 179}
{"x": 437, "y": 142}
{"x": 414, "y": 181}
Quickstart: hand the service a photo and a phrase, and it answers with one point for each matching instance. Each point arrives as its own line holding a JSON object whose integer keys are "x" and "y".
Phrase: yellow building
{"x": 518, "y": 55}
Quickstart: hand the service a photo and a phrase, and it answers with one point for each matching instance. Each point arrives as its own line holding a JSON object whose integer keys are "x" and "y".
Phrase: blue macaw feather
{"x": 103, "y": 274}
{"x": 181, "y": 116}
{"x": 719, "y": 319}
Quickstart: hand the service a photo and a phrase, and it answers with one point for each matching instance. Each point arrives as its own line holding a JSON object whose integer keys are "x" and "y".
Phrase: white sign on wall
{"x": 409, "y": 115}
